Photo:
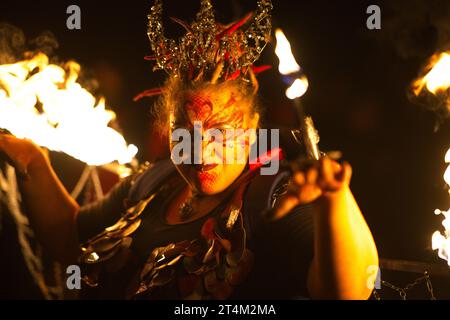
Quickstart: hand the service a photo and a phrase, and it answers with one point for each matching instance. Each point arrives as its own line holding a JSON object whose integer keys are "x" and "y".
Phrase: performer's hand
{"x": 22, "y": 154}
{"x": 322, "y": 178}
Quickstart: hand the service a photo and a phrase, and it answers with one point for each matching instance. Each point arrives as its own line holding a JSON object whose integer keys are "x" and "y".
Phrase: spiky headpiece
{"x": 210, "y": 51}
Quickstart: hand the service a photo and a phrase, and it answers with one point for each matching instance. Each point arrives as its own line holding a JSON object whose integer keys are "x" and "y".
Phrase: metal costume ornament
{"x": 210, "y": 51}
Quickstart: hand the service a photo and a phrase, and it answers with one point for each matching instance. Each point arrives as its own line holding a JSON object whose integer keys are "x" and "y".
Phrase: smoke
{"x": 435, "y": 98}
{"x": 416, "y": 28}
{"x": 419, "y": 30}
{"x": 45, "y": 42}
{"x": 12, "y": 43}
{"x": 14, "y": 46}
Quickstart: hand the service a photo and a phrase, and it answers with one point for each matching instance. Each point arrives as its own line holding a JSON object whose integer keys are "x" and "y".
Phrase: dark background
{"x": 358, "y": 91}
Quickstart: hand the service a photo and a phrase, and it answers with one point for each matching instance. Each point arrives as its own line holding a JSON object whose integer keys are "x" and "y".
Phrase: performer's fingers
{"x": 290, "y": 200}
{"x": 311, "y": 175}
{"x": 293, "y": 188}
{"x": 336, "y": 166}
{"x": 347, "y": 172}
{"x": 303, "y": 165}
{"x": 326, "y": 170}
{"x": 308, "y": 193}
{"x": 299, "y": 178}
{"x": 328, "y": 181}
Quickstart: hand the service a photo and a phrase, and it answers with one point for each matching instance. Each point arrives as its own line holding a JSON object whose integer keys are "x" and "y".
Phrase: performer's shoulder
{"x": 149, "y": 177}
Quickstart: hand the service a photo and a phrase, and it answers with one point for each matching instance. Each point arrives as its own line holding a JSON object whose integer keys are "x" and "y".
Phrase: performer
{"x": 207, "y": 230}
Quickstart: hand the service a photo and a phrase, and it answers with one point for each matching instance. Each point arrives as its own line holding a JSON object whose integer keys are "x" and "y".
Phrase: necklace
{"x": 186, "y": 209}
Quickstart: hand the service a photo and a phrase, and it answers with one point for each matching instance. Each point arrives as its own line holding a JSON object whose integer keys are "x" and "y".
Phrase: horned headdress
{"x": 210, "y": 51}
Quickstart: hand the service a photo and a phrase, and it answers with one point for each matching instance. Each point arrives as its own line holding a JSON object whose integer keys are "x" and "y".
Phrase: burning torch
{"x": 436, "y": 84}
{"x": 294, "y": 77}
{"x": 42, "y": 102}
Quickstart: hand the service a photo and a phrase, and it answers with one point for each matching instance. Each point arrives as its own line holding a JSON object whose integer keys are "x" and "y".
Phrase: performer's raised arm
{"x": 343, "y": 244}
{"x": 51, "y": 210}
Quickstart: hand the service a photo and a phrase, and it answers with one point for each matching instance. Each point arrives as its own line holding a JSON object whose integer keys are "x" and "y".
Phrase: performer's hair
{"x": 173, "y": 95}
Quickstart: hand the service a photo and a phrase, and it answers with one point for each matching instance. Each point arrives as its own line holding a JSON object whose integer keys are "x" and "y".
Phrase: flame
{"x": 44, "y": 103}
{"x": 288, "y": 66}
{"x": 447, "y": 172}
{"x": 298, "y": 88}
{"x": 437, "y": 81}
{"x": 438, "y": 78}
{"x": 283, "y": 51}
{"x": 441, "y": 242}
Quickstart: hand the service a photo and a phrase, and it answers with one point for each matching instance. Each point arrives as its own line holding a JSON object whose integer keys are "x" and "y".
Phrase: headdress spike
{"x": 207, "y": 44}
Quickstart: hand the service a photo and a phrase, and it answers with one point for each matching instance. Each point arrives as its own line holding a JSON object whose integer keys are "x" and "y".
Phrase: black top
{"x": 283, "y": 249}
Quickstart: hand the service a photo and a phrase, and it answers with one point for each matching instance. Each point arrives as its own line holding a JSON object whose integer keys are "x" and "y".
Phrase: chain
{"x": 376, "y": 295}
{"x": 403, "y": 291}
{"x": 429, "y": 286}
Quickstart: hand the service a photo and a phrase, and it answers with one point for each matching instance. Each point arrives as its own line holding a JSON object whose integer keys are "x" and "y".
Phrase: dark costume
{"x": 229, "y": 253}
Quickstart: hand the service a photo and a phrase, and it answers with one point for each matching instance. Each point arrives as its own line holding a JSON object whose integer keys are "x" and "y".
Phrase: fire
{"x": 438, "y": 78}
{"x": 44, "y": 103}
{"x": 289, "y": 67}
{"x": 437, "y": 82}
{"x": 297, "y": 89}
{"x": 447, "y": 172}
{"x": 441, "y": 242}
{"x": 283, "y": 51}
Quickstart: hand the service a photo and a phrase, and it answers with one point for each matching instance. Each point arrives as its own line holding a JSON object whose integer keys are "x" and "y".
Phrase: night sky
{"x": 358, "y": 78}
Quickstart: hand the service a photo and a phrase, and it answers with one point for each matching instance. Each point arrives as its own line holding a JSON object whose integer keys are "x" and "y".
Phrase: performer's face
{"x": 222, "y": 155}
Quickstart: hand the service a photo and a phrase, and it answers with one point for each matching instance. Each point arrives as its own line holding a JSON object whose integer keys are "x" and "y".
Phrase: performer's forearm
{"x": 51, "y": 210}
{"x": 343, "y": 249}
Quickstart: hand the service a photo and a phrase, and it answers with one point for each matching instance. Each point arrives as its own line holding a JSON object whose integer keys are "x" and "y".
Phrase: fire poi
{"x": 298, "y": 85}
{"x": 43, "y": 102}
{"x": 436, "y": 82}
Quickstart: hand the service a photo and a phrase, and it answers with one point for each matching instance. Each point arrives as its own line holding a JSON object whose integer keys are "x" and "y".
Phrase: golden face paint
{"x": 222, "y": 110}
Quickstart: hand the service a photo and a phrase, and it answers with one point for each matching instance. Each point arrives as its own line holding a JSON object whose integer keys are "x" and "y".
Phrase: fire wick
{"x": 309, "y": 134}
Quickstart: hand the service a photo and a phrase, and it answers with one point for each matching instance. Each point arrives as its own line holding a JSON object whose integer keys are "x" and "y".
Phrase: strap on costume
{"x": 147, "y": 182}
{"x": 259, "y": 196}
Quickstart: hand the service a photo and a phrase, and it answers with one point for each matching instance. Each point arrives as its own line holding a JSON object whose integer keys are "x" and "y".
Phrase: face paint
{"x": 198, "y": 108}
{"x": 230, "y": 115}
{"x": 224, "y": 111}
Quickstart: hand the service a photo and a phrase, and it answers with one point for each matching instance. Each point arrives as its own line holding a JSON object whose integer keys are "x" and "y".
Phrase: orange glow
{"x": 288, "y": 66}
{"x": 44, "y": 103}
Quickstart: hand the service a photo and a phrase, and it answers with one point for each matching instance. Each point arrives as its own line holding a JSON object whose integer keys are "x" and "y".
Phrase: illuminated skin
{"x": 215, "y": 109}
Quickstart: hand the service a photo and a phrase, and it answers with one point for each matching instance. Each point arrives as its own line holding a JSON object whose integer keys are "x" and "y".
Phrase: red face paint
{"x": 198, "y": 108}
{"x": 219, "y": 110}
{"x": 207, "y": 179}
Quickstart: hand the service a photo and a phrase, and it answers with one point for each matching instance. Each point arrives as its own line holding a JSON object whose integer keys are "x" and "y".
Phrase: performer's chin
{"x": 206, "y": 181}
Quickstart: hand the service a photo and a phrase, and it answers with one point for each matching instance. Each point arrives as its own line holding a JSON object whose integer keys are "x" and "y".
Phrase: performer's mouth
{"x": 205, "y": 167}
